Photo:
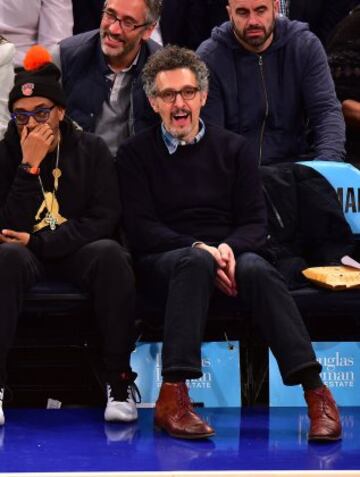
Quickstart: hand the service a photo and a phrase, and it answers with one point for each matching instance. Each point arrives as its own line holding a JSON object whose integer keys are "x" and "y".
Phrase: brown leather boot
{"x": 324, "y": 416}
{"x": 174, "y": 414}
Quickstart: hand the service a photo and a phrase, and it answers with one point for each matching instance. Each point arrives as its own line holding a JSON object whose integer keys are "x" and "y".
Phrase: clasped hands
{"x": 225, "y": 260}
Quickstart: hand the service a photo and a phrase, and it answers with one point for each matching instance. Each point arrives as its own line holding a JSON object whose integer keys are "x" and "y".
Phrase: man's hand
{"x": 214, "y": 252}
{"x": 10, "y": 236}
{"x": 225, "y": 279}
{"x": 36, "y": 143}
{"x": 225, "y": 260}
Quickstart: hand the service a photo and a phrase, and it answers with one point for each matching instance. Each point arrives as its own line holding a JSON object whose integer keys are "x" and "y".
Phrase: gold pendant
{"x": 57, "y": 174}
{"x": 51, "y": 220}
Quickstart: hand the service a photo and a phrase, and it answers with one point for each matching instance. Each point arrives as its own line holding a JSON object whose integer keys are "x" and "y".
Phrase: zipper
{"x": 273, "y": 208}
{"x": 262, "y": 130}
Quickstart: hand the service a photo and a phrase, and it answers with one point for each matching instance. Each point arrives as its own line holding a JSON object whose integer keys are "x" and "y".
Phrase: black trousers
{"x": 183, "y": 280}
{"x": 101, "y": 268}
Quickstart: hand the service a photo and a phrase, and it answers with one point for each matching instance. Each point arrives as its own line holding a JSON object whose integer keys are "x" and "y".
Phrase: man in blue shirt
{"x": 195, "y": 220}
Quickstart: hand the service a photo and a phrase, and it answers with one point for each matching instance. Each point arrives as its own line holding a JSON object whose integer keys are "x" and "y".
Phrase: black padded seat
{"x": 320, "y": 300}
{"x": 54, "y": 295}
{"x": 58, "y": 294}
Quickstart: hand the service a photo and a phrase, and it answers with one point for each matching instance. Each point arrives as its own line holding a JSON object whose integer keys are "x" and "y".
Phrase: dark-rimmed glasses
{"x": 125, "y": 23}
{"x": 169, "y": 95}
{"x": 41, "y": 115}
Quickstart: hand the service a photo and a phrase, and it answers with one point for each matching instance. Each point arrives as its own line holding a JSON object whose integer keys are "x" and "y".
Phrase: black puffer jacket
{"x": 307, "y": 226}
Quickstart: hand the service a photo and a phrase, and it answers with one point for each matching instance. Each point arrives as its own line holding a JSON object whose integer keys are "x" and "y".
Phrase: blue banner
{"x": 218, "y": 387}
{"x": 341, "y": 373}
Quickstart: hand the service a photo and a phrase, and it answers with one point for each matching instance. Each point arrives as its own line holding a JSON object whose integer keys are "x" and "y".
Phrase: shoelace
{"x": 185, "y": 403}
{"x": 8, "y": 395}
{"x": 132, "y": 392}
{"x": 135, "y": 393}
{"x": 322, "y": 402}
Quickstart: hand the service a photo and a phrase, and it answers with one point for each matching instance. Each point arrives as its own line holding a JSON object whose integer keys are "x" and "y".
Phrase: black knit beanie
{"x": 39, "y": 77}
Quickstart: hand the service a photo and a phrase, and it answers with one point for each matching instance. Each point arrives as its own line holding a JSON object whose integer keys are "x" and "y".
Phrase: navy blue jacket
{"x": 84, "y": 71}
{"x": 271, "y": 98}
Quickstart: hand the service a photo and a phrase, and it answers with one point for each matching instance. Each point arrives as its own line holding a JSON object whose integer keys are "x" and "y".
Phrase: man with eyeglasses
{"x": 59, "y": 218}
{"x": 195, "y": 218}
{"x": 101, "y": 71}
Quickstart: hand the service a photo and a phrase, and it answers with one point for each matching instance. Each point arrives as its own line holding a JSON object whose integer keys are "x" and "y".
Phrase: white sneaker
{"x": 2, "y": 417}
{"x": 121, "y": 411}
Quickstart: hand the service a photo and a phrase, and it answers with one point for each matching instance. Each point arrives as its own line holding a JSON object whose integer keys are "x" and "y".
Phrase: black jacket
{"x": 88, "y": 193}
{"x": 306, "y": 224}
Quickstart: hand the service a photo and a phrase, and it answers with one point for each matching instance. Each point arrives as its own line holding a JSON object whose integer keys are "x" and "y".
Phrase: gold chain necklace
{"x": 50, "y": 218}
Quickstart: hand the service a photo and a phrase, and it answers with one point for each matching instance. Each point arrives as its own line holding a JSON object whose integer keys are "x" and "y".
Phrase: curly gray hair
{"x": 171, "y": 58}
{"x": 153, "y": 10}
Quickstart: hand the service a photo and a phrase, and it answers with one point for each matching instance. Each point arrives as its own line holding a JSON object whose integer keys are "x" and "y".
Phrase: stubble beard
{"x": 255, "y": 42}
{"x": 118, "y": 52}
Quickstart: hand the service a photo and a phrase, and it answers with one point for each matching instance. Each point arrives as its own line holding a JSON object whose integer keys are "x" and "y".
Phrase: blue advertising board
{"x": 341, "y": 373}
{"x": 218, "y": 387}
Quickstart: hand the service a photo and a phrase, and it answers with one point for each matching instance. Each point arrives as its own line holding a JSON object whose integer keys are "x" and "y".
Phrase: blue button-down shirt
{"x": 172, "y": 143}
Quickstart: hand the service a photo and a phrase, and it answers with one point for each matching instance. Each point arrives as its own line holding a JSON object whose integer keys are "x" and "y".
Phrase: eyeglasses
{"x": 126, "y": 24}
{"x": 41, "y": 115}
{"x": 169, "y": 95}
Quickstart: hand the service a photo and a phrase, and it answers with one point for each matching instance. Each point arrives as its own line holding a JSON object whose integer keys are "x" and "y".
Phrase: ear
{"x": 203, "y": 97}
{"x": 277, "y": 6}
{"x": 61, "y": 113}
{"x": 154, "y": 103}
{"x": 148, "y": 32}
{"x": 228, "y": 11}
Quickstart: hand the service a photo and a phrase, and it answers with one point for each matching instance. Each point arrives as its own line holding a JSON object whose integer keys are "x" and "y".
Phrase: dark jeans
{"x": 183, "y": 280}
{"x": 275, "y": 315}
{"x": 101, "y": 268}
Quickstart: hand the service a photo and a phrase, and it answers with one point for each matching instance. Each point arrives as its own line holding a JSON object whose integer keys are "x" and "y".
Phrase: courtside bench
{"x": 328, "y": 315}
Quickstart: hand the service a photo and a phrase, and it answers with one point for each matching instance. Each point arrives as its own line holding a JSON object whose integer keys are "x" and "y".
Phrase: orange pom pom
{"x": 36, "y": 57}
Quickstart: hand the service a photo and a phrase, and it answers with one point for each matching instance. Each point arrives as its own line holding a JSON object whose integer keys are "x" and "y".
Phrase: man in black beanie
{"x": 59, "y": 213}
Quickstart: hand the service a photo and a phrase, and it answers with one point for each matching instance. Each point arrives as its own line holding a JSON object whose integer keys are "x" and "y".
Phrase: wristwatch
{"x": 29, "y": 169}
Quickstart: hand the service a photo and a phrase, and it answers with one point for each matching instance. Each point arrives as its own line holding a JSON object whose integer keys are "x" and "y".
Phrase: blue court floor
{"x": 78, "y": 440}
